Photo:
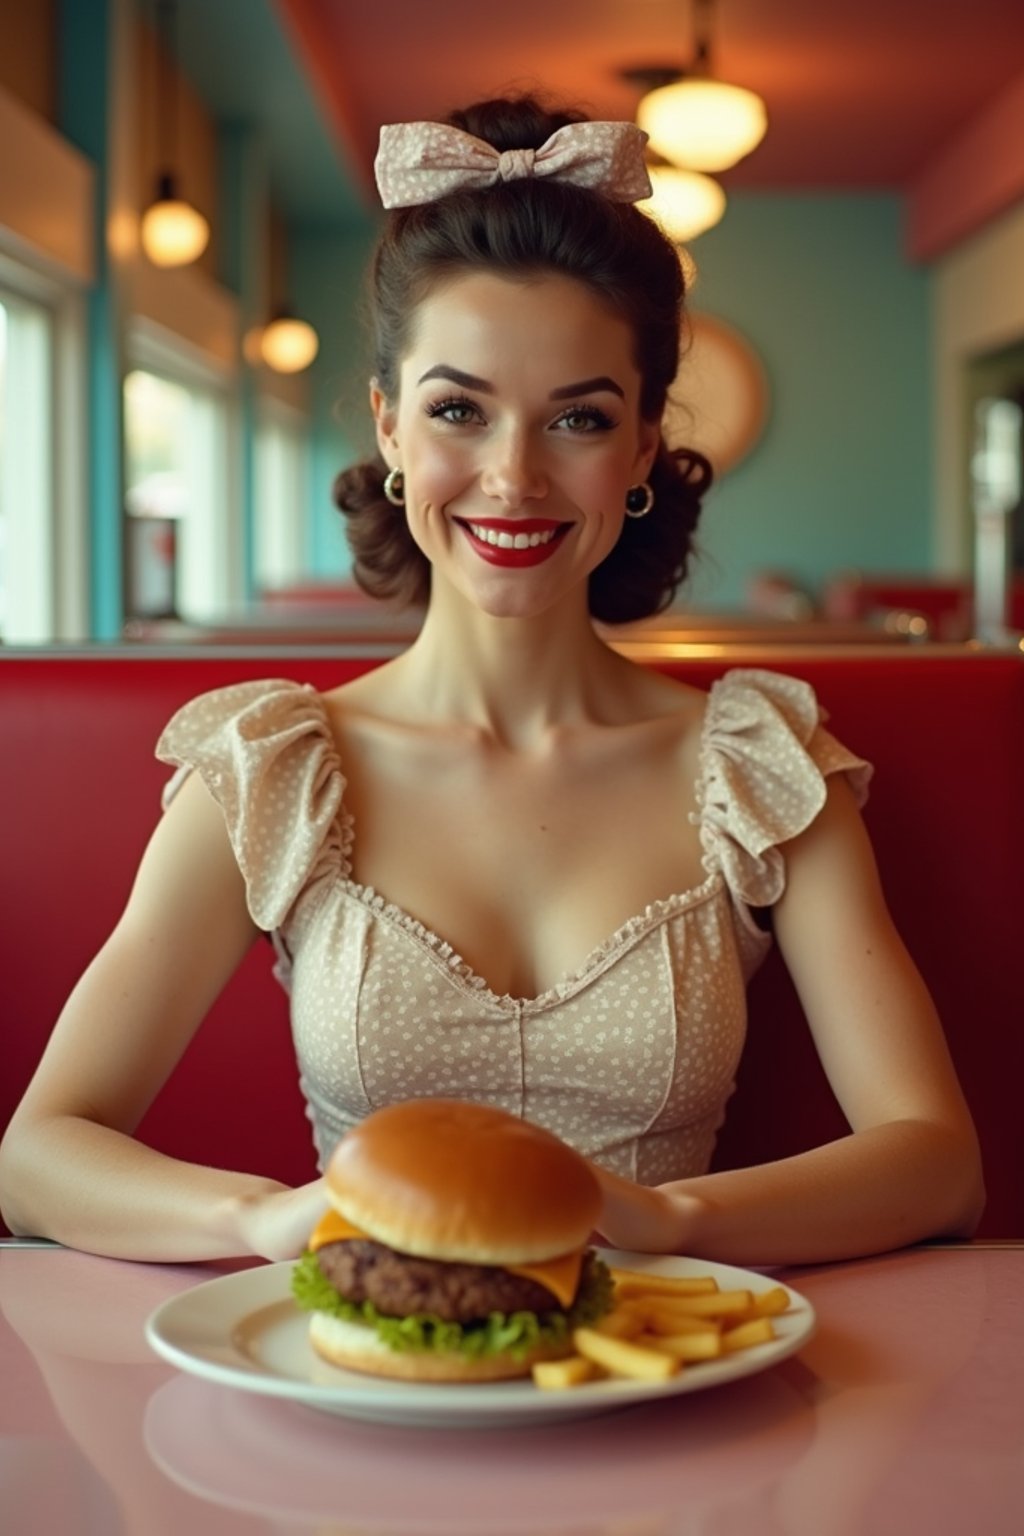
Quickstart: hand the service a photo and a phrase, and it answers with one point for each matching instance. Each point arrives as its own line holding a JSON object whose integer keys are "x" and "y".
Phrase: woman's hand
{"x": 643, "y": 1220}
{"x": 276, "y": 1224}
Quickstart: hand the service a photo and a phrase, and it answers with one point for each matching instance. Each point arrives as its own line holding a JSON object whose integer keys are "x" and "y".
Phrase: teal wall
{"x": 84, "y": 88}
{"x": 841, "y": 476}
{"x": 326, "y": 275}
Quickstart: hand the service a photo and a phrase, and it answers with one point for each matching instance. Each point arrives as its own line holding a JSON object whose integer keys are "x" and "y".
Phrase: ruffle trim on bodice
{"x": 265, "y": 752}
{"x": 765, "y": 757}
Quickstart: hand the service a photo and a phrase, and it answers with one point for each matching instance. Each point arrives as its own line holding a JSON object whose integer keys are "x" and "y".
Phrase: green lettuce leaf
{"x": 514, "y": 1333}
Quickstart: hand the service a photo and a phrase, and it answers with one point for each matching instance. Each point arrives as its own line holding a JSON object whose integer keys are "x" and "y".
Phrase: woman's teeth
{"x": 504, "y": 540}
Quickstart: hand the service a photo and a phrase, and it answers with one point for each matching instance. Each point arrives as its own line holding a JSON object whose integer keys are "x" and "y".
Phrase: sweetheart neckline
{"x": 625, "y": 936}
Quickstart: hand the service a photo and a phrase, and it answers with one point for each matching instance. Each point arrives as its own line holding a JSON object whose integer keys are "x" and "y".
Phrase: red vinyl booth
{"x": 80, "y": 791}
{"x": 948, "y": 606}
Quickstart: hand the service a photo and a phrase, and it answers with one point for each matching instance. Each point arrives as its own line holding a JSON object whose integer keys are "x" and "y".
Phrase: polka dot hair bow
{"x": 418, "y": 162}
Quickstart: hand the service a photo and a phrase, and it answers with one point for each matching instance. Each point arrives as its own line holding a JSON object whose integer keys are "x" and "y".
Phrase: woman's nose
{"x": 513, "y": 472}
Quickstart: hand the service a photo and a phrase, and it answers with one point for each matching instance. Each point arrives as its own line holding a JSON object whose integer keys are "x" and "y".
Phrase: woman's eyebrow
{"x": 456, "y": 376}
{"x": 564, "y": 392}
{"x": 588, "y": 387}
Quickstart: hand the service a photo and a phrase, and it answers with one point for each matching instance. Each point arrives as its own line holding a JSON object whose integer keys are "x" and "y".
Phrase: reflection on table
{"x": 901, "y": 1415}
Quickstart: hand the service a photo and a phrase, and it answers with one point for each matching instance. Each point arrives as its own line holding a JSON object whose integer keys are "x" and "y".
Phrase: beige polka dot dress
{"x": 633, "y": 1056}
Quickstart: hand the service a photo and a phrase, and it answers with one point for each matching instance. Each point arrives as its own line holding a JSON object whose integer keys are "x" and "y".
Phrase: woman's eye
{"x": 585, "y": 418}
{"x": 458, "y": 412}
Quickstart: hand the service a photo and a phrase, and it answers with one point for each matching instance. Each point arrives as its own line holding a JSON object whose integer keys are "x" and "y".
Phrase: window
{"x": 27, "y": 588}
{"x": 155, "y": 437}
{"x": 280, "y": 556}
{"x": 183, "y": 555}
{"x": 996, "y": 466}
{"x": 44, "y": 568}
{"x": 4, "y": 573}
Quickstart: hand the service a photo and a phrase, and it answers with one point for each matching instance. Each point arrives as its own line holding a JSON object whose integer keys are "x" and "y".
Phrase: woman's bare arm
{"x": 69, "y": 1166}
{"x": 910, "y": 1168}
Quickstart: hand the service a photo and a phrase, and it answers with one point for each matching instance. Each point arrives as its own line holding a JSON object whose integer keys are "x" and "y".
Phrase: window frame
{"x": 53, "y": 507}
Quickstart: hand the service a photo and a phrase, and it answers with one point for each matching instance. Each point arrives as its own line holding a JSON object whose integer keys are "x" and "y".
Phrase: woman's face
{"x": 518, "y": 432}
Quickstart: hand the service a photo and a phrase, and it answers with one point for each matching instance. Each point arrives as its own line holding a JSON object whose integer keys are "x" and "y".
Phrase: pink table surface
{"x": 904, "y": 1414}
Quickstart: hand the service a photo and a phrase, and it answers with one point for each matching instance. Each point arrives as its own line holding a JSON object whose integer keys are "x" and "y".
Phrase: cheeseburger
{"x": 455, "y": 1246}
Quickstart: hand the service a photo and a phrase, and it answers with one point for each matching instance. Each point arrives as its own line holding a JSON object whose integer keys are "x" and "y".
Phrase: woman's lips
{"x": 514, "y": 542}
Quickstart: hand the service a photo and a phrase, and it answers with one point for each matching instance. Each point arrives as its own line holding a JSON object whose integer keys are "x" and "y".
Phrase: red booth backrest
{"x": 947, "y": 605}
{"x": 79, "y": 794}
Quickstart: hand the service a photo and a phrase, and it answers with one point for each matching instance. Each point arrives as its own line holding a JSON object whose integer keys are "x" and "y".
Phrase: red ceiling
{"x": 859, "y": 94}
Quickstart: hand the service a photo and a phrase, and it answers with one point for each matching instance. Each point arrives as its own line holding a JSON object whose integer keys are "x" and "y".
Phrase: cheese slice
{"x": 332, "y": 1228}
{"x": 560, "y": 1276}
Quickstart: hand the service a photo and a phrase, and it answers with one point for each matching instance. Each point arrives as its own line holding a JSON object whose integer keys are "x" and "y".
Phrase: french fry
{"x": 758, "y": 1330}
{"x": 704, "y": 1345}
{"x": 764, "y": 1304}
{"x": 716, "y": 1304}
{"x": 771, "y": 1303}
{"x": 630, "y": 1282}
{"x": 660, "y": 1322}
{"x": 620, "y": 1323}
{"x": 624, "y": 1358}
{"x": 555, "y": 1375}
{"x": 667, "y": 1320}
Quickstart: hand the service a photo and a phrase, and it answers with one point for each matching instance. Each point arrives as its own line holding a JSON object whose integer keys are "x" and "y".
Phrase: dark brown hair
{"x": 515, "y": 229}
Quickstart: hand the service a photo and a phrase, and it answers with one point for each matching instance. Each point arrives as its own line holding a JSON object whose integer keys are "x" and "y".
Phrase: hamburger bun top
{"x": 464, "y": 1183}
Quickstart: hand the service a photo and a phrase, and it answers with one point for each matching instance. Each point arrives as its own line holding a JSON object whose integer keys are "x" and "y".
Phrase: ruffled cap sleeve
{"x": 766, "y": 757}
{"x": 265, "y": 752}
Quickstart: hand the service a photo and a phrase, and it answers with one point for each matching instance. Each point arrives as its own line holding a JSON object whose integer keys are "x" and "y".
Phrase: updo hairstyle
{"x": 533, "y": 226}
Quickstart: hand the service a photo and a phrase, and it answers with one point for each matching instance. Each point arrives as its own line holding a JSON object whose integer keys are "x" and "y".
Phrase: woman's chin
{"x": 519, "y": 606}
{"x": 519, "y": 595}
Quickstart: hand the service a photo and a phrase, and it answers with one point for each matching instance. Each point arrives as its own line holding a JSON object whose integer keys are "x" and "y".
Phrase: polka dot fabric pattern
{"x": 419, "y": 162}
{"x": 632, "y": 1057}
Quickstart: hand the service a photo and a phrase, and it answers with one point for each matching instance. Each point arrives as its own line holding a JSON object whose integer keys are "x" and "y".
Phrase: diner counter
{"x": 903, "y": 1414}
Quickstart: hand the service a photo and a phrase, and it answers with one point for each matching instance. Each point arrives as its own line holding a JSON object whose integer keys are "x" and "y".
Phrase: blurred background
{"x": 172, "y": 414}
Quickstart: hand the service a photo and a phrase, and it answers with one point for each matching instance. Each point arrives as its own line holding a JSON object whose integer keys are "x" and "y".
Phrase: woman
{"x": 605, "y": 849}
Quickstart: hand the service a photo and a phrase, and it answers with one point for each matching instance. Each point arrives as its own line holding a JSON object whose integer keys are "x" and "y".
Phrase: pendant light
{"x": 684, "y": 203}
{"x": 288, "y": 344}
{"x": 173, "y": 232}
{"x": 694, "y": 120}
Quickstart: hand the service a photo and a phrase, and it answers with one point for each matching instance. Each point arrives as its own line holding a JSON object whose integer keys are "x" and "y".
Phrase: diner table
{"x": 903, "y": 1413}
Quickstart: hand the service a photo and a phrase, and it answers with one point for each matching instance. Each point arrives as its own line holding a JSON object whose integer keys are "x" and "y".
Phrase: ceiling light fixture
{"x": 694, "y": 120}
{"x": 173, "y": 232}
{"x": 684, "y": 203}
{"x": 288, "y": 344}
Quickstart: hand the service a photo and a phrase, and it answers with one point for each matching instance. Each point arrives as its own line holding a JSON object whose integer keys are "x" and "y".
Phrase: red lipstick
{"x": 484, "y": 534}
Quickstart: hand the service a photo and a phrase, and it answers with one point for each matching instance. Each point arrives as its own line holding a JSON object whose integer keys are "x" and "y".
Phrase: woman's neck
{"x": 516, "y": 679}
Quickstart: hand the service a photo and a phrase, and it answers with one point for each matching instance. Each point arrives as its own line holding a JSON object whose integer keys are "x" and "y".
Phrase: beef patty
{"x": 398, "y": 1284}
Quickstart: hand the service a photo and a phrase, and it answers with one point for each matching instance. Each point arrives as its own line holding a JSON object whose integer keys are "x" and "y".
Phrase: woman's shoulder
{"x": 735, "y": 698}
{"x": 652, "y": 691}
{"x": 792, "y": 697}
{"x": 233, "y": 732}
{"x": 766, "y": 762}
{"x": 265, "y": 698}
{"x": 264, "y": 750}
{"x": 776, "y": 723}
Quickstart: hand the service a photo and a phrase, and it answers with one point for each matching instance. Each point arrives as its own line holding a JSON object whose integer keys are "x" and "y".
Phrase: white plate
{"x": 244, "y": 1330}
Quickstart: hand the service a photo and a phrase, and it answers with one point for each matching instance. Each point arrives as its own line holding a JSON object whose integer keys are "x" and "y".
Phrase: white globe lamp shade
{"x": 703, "y": 125}
{"x": 173, "y": 232}
{"x": 289, "y": 345}
{"x": 684, "y": 203}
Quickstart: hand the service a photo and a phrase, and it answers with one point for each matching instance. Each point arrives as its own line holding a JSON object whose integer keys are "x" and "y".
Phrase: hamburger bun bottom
{"x": 355, "y": 1347}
